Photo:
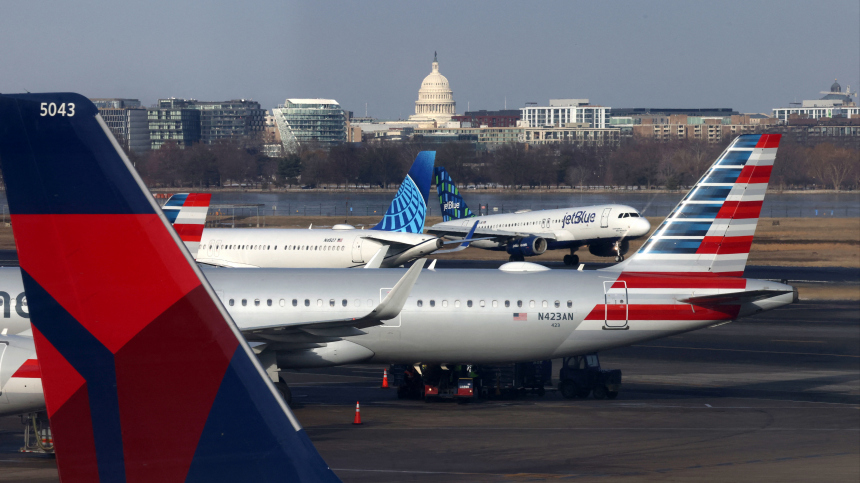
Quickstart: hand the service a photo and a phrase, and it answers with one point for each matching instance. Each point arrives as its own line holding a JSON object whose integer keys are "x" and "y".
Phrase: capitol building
{"x": 435, "y": 98}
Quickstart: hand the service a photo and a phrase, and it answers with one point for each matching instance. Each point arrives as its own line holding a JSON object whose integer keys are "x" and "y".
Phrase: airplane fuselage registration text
{"x": 555, "y": 316}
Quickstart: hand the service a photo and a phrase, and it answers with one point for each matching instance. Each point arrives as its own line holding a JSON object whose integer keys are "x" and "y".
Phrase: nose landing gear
{"x": 617, "y": 246}
{"x": 572, "y": 259}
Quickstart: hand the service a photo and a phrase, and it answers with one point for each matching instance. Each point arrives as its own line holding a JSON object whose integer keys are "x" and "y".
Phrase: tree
{"x": 289, "y": 169}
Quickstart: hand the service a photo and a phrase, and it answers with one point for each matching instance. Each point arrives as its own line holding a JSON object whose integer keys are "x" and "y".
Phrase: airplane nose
{"x": 639, "y": 226}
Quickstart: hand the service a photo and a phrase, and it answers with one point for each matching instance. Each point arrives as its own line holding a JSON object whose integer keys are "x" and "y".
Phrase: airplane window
{"x": 569, "y": 303}
{"x": 432, "y": 303}
{"x": 468, "y": 303}
{"x": 507, "y": 303}
{"x": 420, "y": 303}
{"x": 344, "y": 303}
{"x": 331, "y": 303}
{"x": 269, "y": 302}
{"x": 545, "y": 304}
{"x": 456, "y": 303}
{"x": 319, "y": 302}
{"x": 495, "y": 303}
{"x": 307, "y": 303}
{"x": 295, "y": 303}
{"x": 621, "y": 215}
{"x": 531, "y": 303}
{"x": 256, "y": 302}
{"x": 481, "y": 304}
{"x": 634, "y": 215}
{"x": 244, "y": 302}
{"x": 282, "y": 302}
{"x": 268, "y": 247}
{"x": 276, "y": 247}
{"x": 231, "y": 302}
{"x": 557, "y": 303}
{"x": 519, "y": 303}
{"x": 444, "y": 303}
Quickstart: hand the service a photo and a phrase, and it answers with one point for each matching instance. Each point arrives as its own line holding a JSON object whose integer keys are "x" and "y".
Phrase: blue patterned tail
{"x": 453, "y": 206}
{"x": 409, "y": 207}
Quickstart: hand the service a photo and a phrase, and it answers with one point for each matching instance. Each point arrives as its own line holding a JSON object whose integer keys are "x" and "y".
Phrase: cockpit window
{"x": 634, "y": 215}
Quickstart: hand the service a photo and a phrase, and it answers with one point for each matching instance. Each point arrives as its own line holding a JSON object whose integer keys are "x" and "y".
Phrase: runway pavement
{"x": 774, "y": 397}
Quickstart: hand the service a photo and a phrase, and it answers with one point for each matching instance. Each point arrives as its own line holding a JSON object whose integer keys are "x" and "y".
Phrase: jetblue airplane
{"x": 121, "y": 344}
{"x": 398, "y": 238}
{"x": 688, "y": 275}
{"x": 606, "y": 229}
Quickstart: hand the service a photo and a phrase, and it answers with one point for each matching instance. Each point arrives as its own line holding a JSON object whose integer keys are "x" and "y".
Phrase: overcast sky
{"x": 751, "y": 56}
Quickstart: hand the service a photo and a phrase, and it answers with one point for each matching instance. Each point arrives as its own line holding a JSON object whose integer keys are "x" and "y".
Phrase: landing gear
{"x": 516, "y": 258}
{"x": 619, "y": 258}
{"x": 572, "y": 259}
{"x": 284, "y": 389}
{"x": 620, "y": 248}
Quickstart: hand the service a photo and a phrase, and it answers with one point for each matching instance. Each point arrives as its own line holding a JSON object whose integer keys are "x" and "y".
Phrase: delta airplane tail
{"x": 408, "y": 209}
{"x": 453, "y": 206}
{"x": 711, "y": 230}
{"x": 146, "y": 377}
{"x": 187, "y": 213}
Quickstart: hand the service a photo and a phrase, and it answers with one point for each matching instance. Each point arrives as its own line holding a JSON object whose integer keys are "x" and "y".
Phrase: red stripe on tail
{"x": 740, "y": 210}
{"x": 769, "y": 141}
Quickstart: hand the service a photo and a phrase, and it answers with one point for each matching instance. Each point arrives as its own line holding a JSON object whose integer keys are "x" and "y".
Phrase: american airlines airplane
{"x": 120, "y": 345}
{"x": 397, "y": 239}
{"x": 606, "y": 229}
{"x": 688, "y": 275}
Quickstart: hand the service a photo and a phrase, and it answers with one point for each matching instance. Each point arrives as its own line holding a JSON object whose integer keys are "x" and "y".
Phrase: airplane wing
{"x": 330, "y": 330}
{"x": 486, "y": 233}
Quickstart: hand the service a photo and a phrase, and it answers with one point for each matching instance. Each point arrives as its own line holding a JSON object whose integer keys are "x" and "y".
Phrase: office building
{"x": 501, "y": 118}
{"x": 312, "y": 121}
{"x": 834, "y": 103}
{"x": 173, "y": 120}
{"x": 127, "y": 120}
{"x": 564, "y": 112}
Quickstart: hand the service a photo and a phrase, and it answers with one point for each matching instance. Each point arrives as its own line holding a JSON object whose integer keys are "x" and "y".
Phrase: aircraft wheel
{"x": 612, "y": 394}
{"x": 618, "y": 258}
{"x": 574, "y": 260}
{"x": 567, "y": 389}
{"x": 583, "y": 393}
{"x": 600, "y": 392}
{"x": 568, "y": 260}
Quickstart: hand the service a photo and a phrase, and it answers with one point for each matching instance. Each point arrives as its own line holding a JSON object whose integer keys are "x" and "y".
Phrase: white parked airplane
{"x": 687, "y": 276}
{"x": 606, "y": 229}
{"x": 398, "y": 238}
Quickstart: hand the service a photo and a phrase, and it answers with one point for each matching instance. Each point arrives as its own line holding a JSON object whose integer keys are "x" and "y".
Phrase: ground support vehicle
{"x": 514, "y": 380}
{"x": 581, "y": 375}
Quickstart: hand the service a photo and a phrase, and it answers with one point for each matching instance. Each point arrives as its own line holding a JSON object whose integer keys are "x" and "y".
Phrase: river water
{"x": 312, "y": 203}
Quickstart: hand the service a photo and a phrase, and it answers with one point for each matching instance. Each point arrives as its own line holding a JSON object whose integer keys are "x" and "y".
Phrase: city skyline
{"x": 752, "y": 57}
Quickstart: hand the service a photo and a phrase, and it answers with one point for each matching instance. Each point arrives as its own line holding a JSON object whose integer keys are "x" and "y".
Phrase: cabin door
{"x": 616, "y": 307}
{"x": 604, "y": 218}
{"x": 356, "y": 250}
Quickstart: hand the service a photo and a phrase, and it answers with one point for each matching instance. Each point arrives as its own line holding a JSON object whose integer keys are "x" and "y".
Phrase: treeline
{"x": 637, "y": 162}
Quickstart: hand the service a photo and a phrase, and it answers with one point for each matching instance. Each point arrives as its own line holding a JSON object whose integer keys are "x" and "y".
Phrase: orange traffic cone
{"x": 385, "y": 378}
{"x": 357, "y": 414}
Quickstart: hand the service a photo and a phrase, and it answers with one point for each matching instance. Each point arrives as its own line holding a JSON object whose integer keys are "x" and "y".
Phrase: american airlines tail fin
{"x": 711, "y": 230}
{"x": 146, "y": 377}
{"x": 187, "y": 213}
{"x": 453, "y": 206}
{"x": 408, "y": 209}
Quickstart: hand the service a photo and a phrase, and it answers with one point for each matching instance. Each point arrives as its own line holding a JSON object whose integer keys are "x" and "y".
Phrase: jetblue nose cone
{"x": 639, "y": 227}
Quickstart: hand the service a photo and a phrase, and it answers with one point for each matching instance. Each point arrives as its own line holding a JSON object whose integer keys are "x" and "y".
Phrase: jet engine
{"x": 527, "y": 247}
{"x": 608, "y": 249}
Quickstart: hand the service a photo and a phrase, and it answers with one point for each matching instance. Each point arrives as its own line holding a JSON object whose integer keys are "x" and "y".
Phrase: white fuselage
{"x": 319, "y": 248}
{"x": 570, "y": 226}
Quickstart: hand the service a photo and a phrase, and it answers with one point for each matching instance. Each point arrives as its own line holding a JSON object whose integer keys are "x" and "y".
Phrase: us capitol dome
{"x": 435, "y": 98}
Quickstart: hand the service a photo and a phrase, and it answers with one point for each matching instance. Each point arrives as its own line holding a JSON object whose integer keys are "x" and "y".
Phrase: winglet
{"x": 393, "y": 303}
{"x": 114, "y": 390}
{"x": 378, "y": 257}
{"x": 465, "y": 242}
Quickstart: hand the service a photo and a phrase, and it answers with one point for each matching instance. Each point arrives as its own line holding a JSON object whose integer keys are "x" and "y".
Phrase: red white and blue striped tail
{"x": 187, "y": 213}
{"x": 711, "y": 230}
{"x": 146, "y": 377}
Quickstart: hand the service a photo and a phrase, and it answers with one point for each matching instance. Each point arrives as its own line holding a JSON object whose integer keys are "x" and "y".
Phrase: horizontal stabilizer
{"x": 734, "y": 297}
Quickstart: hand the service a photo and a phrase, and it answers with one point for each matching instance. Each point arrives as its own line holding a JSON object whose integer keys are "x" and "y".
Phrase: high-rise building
{"x": 234, "y": 119}
{"x": 566, "y": 112}
{"x": 319, "y": 121}
{"x": 126, "y": 119}
{"x": 501, "y": 118}
{"x": 173, "y": 120}
{"x": 835, "y": 103}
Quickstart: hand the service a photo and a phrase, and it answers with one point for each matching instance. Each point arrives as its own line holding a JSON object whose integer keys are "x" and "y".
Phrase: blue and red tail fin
{"x": 187, "y": 213}
{"x": 452, "y": 204}
{"x": 146, "y": 377}
{"x": 408, "y": 209}
{"x": 711, "y": 230}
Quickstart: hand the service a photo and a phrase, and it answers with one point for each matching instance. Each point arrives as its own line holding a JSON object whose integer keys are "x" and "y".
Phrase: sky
{"x": 751, "y": 56}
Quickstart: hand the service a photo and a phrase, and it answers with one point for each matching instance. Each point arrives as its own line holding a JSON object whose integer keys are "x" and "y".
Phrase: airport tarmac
{"x": 774, "y": 397}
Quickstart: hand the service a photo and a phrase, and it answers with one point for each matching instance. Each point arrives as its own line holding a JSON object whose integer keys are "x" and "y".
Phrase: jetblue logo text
{"x": 578, "y": 217}
{"x": 450, "y": 205}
